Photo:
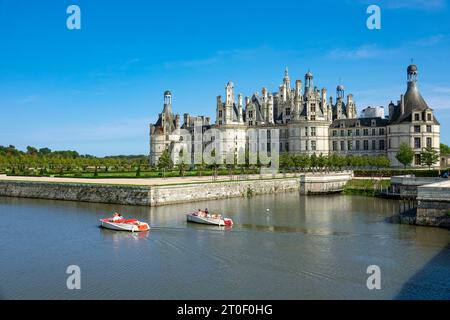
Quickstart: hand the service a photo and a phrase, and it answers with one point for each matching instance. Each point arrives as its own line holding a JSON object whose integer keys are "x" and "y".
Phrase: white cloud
{"x": 362, "y": 52}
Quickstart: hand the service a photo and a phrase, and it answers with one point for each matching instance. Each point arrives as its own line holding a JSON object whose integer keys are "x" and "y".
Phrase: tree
{"x": 44, "y": 151}
{"x": 138, "y": 170}
{"x": 445, "y": 150}
{"x": 405, "y": 154}
{"x": 429, "y": 156}
{"x": 165, "y": 162}
{"x": 31, "y": 151}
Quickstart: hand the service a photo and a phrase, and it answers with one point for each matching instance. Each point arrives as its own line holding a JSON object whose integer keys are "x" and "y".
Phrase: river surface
{"x": 282, "y": 246}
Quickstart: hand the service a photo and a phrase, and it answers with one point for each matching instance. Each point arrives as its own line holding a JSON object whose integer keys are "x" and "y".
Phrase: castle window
{"x": 342, "y": 133}
{"x": 250, "y": 123}
{"x": 417, "y": 160}
{"x": 429, "y": 118}
{"x": 416, "y": 117}
{"x": 288, "y": 111}
{"x": 366, "y": 132}
{"x": 220, "y": 123}
{"x": 374, "y": 145}
{"x": 357, "y": 132}
{"x": 417, "y": 129}
{"x": 250, "y": 114}
{"x": 358, "y": 145}
{"x": 350, "y": 145}
{"x": 358, "y": 123}
{"x": 335, "y": 145}
{"x": 429, "y": 129}
{"x": 366, "y": 144}
{"x": 349, "y": 133}
{"x": 287, "y": 146}
{"x": 429, "y": 143}
{"x": 381, "y": 144}
{"x": 417, "y": 143}
{"x": 306, "y": 131}
{"x": 313, "y": 118}
{"x": 334, "y": 133}
{"x": 342, "y": 145}
{"x": 313, "y": 131}
{"x": 374, "y": 123}
{"x": 313, "y": 145}
{"x": 374, "y": 132}
{"x": 313, "y": 108}
{"x": 220, "y": 113}
{"x": 381, "y": 131}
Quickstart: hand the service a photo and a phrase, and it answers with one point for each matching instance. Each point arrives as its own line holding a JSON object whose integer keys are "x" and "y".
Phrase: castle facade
{"x": 308, "y": 122}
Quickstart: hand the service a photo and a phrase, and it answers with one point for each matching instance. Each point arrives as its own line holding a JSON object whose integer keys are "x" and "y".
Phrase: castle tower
{"x": 229, "y": 90}
{"x": 240, "y": 109}
{"x": 287, "y": 80}
{"x": 270, "y": 118}
{"x": 308, "y": 83}
{"x": 167, "y": 102}
{"x": 351, "y": 108}
{"x": 340, "y": 92}
{"x": 324, "y": 103}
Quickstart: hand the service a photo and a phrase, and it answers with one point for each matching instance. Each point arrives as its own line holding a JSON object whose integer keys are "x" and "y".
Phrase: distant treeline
{"x": 46, "y": 161}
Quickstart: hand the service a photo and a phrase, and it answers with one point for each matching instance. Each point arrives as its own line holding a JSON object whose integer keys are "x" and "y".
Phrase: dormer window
{"x": 358, "y": 123}
{"x": 416, "y": 116}
{"x": 374, "y": 123}
{"x": 342, "y": 125}
{"x": 429, "y": 117}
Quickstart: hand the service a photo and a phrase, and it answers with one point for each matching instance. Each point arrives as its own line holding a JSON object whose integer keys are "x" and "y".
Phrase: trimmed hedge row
{"x": 397, "y": 172}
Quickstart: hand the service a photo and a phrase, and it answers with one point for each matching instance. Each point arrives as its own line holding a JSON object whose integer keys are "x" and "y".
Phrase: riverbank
{"x": 144, "y": 192}
{"x": 366, "y": 187}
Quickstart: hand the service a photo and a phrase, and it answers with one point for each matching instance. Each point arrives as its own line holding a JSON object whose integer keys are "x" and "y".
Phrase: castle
{"x": 309, "y": 122}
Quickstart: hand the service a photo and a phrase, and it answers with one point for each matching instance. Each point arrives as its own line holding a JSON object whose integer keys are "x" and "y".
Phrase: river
{"x": 282, "y": 246}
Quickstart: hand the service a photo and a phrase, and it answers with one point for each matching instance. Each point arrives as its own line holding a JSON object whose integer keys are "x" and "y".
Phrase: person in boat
{"x": 117, "y": 217}
{"x": 206, "y": 213}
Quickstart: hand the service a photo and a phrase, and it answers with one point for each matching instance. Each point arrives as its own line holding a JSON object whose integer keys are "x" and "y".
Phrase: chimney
{"x": 402, "y": 104}
{"x": 177, "y": 121}
{"x": 298, "y": 88}
{"x": 186, "y": 119}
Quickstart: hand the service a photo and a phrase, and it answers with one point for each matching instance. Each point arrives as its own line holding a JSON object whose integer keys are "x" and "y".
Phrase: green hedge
{"x": 397, "y": 172}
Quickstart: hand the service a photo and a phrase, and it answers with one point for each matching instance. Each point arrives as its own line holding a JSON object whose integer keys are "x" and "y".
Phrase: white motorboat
{"x": 209, "y": 219}
{"x": 130, "y": 225}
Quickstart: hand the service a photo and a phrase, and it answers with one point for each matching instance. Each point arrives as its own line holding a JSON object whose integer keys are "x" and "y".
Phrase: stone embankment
{"x": 157, "y": 195}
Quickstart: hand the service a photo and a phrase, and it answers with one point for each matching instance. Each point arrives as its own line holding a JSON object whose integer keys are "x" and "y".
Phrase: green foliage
{"x": 445, "y": 150}
{"x": 405, "y": 154}
{"x": 165, "y": 161}
{"x": 138, "y": 171}
{"x": 429, "y": 156}
{"x": 396, "y": 172}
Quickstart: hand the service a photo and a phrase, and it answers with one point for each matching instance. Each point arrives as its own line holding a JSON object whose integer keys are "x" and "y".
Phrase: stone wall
{"x": 128, "y": 195}
{"x": 322, "y": 183}
{"x": 433, "y": 207}
{"x": 171, "y": 194}
{"x": 407, "y": 186}
{"x": 212, "y": 191}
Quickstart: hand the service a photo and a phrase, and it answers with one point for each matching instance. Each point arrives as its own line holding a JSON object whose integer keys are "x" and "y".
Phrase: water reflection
{"x": 302, "y": 247}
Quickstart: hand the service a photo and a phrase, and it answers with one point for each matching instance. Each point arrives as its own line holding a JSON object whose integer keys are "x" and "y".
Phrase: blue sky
{"x": 95, "y": 90}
